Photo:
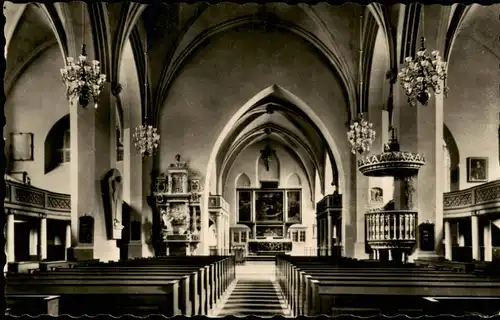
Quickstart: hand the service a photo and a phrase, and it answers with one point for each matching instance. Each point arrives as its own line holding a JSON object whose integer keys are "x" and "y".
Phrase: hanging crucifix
{"x": 267, "y": 155}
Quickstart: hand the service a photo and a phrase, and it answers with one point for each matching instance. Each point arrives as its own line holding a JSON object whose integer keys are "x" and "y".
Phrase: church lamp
{"x": 83, "y": 79}
{"x": 146, "y": 139}
{"x": 422, "y": 74}
{"x": 361, "y": 135}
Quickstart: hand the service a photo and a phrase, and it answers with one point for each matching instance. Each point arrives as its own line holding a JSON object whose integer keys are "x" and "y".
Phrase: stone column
{"x": 488, "y": 249}
{"x": 448, "y": 240}
{"x": 10, "y": 236}
{"x": 335, "y": 234}
{"x": 67, "y": 240}
{"x": 82, "y": 184}
{"x": 362, "y": 197}
{"x": 475, "y": 237}
{"x": 329, "y": 233}
{"x": 421, "y": 130}
{"x": 460, "y": 236}
{"x": 43, "y": 237}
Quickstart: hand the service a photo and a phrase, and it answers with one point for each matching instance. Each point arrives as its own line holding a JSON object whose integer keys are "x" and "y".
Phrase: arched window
{"x": 57, "y": 146}
{"x": 447, "y": 168}
{"x": 65, "y": 151}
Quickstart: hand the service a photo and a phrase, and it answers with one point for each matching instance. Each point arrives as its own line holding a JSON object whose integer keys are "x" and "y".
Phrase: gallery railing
{"x": 481, "y": 198}
{"x": 390, "y": 229}
{"x": 26, "y": 199}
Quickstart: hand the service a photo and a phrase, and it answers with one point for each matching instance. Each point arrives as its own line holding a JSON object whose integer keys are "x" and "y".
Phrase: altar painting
{"x": 269, "y": 206}
{"x": 266, "y": 231}
{"x": 293, "y": 208}
{"x": 245, "y": 206}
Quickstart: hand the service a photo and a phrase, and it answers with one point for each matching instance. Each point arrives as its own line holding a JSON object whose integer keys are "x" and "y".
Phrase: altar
{"x": 269, "y": 246}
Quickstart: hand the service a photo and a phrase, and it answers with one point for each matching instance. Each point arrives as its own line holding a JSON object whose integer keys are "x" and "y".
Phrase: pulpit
{"x": 177, "y": 194}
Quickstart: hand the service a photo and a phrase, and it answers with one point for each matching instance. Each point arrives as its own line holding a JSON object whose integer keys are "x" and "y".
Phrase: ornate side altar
{"x": 177, "y": 194}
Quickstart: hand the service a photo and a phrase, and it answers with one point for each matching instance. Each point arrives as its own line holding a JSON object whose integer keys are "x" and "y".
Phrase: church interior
{"x": 268, "y": 159}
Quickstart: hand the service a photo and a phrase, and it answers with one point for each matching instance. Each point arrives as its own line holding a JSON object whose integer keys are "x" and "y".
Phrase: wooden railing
{"x": 391, "y": 228}
{"x": 481, "y": 199}
{"x": 331, "y": 201}
{"x": 26, "y": 199}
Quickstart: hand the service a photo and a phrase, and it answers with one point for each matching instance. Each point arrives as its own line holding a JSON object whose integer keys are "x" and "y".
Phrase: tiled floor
{"x": 254, "y": 292}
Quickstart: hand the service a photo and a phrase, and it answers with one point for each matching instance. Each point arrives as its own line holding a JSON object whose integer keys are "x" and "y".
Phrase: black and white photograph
{"x": 259, "y": 159}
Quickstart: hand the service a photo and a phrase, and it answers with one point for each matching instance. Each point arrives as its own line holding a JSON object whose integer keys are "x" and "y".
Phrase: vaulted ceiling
{"x": 174, "y": 30}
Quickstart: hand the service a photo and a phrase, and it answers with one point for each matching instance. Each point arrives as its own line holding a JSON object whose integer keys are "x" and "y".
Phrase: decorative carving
{"x": 409, "y": 188}
{"x": 58, "y": 203}
{"x": 178, "y": 182}
{"x": 457, "y": 200}
{"x": 178, "y": 163}
{"x": 29, "y": 197}
{"x": 376, "y": 195}
{"x": 391, "y": 163}
{"x": 391, "y": 229}
{"x": 488, "y": 194}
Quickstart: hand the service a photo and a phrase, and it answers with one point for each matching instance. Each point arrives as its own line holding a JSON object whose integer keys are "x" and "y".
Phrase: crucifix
{"x": 267, "y": 155}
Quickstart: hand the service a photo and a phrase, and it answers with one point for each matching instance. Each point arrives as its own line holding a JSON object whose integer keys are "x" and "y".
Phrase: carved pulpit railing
{"x": 389, "y": 229}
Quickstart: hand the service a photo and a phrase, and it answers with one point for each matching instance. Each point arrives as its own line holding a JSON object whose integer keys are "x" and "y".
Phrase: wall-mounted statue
{"x": 112, "y": 186}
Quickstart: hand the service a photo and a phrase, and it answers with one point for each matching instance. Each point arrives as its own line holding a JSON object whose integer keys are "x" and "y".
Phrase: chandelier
{"x": 361, "y": 135}
{"x": 422, "y": 75}
{"x": 83, "y": 79}
{"x": 146, "y": 139}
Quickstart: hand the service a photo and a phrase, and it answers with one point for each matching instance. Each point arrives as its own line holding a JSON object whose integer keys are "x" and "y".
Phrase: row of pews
{"x": 319, "y": 286}
{"x": 165, "y": 285}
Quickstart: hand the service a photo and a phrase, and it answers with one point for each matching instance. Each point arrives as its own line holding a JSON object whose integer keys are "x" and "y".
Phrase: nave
{"x": 217, "y": 286}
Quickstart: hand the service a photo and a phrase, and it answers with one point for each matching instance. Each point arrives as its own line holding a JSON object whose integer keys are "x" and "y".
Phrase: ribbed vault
{"x": 276, "y": 118}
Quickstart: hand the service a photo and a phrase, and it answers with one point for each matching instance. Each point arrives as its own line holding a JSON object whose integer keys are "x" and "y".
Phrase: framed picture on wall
{"x": 244, "y": 205}
{"x": 477, "y": 169}
{"x": 269, "y": 206}
{"x": 21, "y": 146}
{"x": 293, "y": 206}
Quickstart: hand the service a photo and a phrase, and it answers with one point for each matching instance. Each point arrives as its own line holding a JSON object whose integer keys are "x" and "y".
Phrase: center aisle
{"x": 255, "y": 292}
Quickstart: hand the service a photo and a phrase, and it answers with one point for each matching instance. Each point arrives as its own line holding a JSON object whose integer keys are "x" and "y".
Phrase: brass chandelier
{"x": 83, "y": 78}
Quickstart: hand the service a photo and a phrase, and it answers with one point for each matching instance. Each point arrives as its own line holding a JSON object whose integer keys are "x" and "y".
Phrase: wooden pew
{"x": 311, "y": 287}
{"x": 33, "y": 305}
{"x": 106, "y": 297}
{"x": 197, "y": 293}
